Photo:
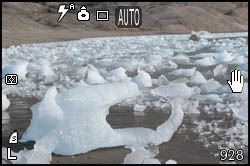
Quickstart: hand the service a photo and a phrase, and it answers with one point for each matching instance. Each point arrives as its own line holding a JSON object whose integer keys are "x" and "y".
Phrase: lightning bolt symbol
{"x": 62, "y": 10}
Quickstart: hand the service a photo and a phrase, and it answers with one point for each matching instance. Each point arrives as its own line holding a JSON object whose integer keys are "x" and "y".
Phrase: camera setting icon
{"x": 83, "y": 14}
{"x": 11, "y": 79}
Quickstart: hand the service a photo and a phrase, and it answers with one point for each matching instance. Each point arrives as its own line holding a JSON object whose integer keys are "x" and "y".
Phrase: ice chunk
{"x": 162, "y": 80}
{"x": 238, "y": 60}
{"x": 210, "y": 86}
{"x": 143, "y": 79}
{"x": 198, "y": 78}
{"x": 139, "y": 154}
{"x": 81, "y": 83}
{"x": 139, "y": 108}
{"x": 46, "y": 111}
{"x": 41, "y": 154}
{"x": 241, "y": 112}
{"x": 207, "y": 61}
{"x": 224, "y": 56}
{"x": 45, "y": 69}
{"x": 170, "y": 161}
{"x": 180, "y": 80}
{"x": 153, "y": 59}
{"x": 173, "y": 90}
{"x": 192, "y": 107}
{"x": 93, "y": 77}
{"x": 180, "y": 58}
{"x": 5, "y": 102}
{"x": 183, "y": 72}
{"x": 172, "y": 65}
{"x": 84, "y": 126}
{"x": 243, "y": 67}
{"x": 151, "y": 161}
{"x": 19, "y": 68}
{"x": 118, "y": 74}
{"x": 220, "y": 69}
{"x": 210, "y": 97}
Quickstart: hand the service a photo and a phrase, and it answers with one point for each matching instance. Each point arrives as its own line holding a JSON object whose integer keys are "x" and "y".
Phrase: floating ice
{"x": 139, "y": 108}
{"x": 141, "y": 155}
{"x": 220, "y": 69}
{"x": 192, "y": 107}
{"x": 180, "y": 58}
{"x": 238, "y": 60}
{"x": 118, "y": 74}
{"x": 42, "y": 68}
{"x": 5, "y": 102}
{"x": 151, "y": 161}
{"x": 243, "y": 67}
{"x": 214, "y": 98}
{"x": 210, "y": 86}
{"x": 93, "y": 77}
{"x": 198, "y": 78}
{"x": 162, "y": 80}
{"x": 154, "y": 59}
{"x": 143, "y": 79}
{"x": 173, "y": 90}
{"x": 84, "y": 126}
{"x": 240, "y": 111}
{"x": 170, "y": 161}
{"x": 224, "y": 56}
{"x": 19, "y": 68}
{"x": 181, "y": 80}
{"x": 46, "y": 111}
{"x": 183, "y": 72}
{"x": 207, "y": 61}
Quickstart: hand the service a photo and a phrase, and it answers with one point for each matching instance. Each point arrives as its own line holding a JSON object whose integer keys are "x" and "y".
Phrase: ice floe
{"x": 19, "y": 68}
{"x": 93, "y": 77}
{"x": 220, "y": 69}
{"x": 116, "y": 75}
{"x": 207, "y": 61}
{"x": 174, "y": 90}
{"x": 198, "y": 78}
{"x": 5, "y": 102}
{"x": 210, "y": 86}
{"x": 142, "y": 79}
{"x": 170, "y": 161}
{"x": 183, "y": 72}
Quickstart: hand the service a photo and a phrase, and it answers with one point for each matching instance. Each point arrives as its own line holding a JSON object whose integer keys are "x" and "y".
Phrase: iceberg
{"x": 74, "y": 121}
{"x": 143, "y": 79}
{"x": 93, "y": 77}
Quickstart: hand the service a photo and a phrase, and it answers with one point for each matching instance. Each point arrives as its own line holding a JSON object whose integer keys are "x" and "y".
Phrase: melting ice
{"x": 78, "y": 81}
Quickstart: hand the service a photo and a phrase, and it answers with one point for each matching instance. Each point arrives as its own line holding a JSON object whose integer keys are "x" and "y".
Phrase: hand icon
{"x": 236, "y": 83}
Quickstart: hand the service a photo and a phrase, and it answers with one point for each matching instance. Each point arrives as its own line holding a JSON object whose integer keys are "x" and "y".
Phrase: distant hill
{"x": 27, "y": 22}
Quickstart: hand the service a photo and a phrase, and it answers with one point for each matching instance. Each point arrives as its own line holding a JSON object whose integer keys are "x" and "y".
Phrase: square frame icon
{"x": 102, "y": 19}
{"x": 11, "y": 79}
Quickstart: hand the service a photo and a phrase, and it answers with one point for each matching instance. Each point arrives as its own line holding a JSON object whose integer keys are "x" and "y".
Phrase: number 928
{"x": 231, "y": 155}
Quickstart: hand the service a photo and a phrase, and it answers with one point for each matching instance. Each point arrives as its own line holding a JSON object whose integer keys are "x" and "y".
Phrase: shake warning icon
{"x": 128, "y": 17}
